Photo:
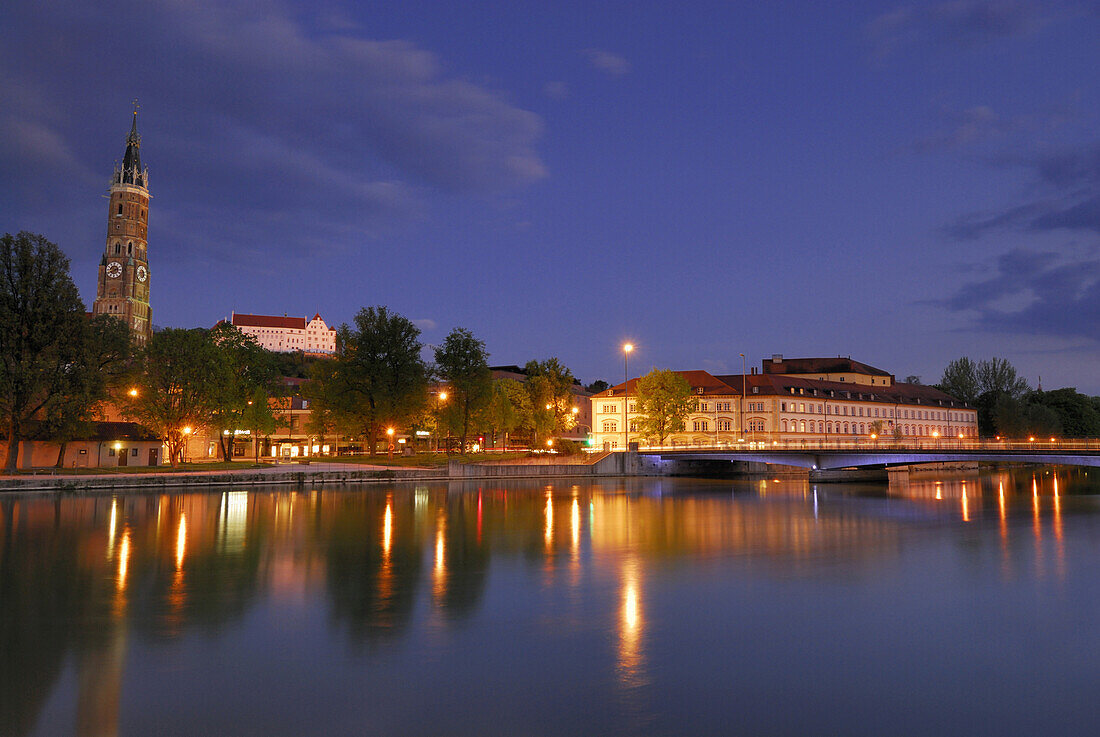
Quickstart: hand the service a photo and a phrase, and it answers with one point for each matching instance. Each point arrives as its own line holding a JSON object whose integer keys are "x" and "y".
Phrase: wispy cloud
{"x": 286, "y": 112}
{"x": 959, "y": 23}
{"x": 556, "y": 90}
{"x": 1036, "y": 293}
{"x": 611, "y": 64}
{"x": 1068, "y": 186}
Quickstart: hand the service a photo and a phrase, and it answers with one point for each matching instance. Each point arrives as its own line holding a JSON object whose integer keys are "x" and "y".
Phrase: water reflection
{"x": 383, "y": 564}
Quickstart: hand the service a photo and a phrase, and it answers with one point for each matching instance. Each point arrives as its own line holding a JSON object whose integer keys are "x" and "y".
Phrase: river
{"x": 954, "y": 604}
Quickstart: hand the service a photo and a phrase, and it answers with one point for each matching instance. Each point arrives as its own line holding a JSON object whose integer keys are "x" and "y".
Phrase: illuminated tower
{"x": 123, "y": 288}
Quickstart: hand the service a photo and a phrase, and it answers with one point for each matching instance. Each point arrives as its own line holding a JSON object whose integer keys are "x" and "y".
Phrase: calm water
{"x": 954, "y": 605}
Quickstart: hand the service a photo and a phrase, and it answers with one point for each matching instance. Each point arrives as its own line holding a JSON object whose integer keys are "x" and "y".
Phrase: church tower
{"x": 123, "y": 288}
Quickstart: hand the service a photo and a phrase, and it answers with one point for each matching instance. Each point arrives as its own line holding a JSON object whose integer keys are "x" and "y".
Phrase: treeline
{"x": 58, "y": 367}
{"x": 1009, "y": 407}
{"x": 378, "y": 381}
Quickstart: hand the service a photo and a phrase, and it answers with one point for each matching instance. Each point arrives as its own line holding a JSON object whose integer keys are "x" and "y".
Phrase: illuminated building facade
{"x": 288, "y": 334}
{"x": 794, "y": 399}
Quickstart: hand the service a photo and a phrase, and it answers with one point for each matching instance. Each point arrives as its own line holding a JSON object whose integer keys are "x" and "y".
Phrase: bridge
{"x": 829, "y": 455}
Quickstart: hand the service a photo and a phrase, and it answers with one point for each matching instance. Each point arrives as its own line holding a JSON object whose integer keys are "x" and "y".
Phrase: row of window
{"x": 833, "y": 409}
{"x": 865, "y": 429}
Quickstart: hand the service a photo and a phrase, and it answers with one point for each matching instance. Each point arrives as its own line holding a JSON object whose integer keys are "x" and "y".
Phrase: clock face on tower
{"x": 114, "y": 269}
{"x": 142, "y": 273}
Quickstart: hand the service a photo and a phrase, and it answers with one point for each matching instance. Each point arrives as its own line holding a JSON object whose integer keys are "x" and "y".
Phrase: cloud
{"x": 425, "y": 323}
{"x": 1036, "y": 293}
{"x": 247, "y": 101}
{"x": 958, "y": 23}
{"x": 1069, "y": 185}
{"x": 610, "y": 64}
{"x": 556, "y": 90}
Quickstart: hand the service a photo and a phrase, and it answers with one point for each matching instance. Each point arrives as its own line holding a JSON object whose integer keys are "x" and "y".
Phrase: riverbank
{"x": 603, "y": 465}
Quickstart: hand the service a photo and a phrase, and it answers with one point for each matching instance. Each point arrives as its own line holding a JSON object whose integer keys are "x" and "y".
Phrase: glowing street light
{"x": 133, "y": 392}
{"x": 389, "y": 432}
{"x": 443, "y": 396}
{"x": 627, "y": 349}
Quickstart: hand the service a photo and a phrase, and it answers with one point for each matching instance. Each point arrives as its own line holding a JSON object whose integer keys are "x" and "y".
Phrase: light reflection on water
{"x": 680, "y": 605}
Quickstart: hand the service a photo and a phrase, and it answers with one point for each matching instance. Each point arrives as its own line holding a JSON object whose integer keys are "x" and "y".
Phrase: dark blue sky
{"x": 904, "y": 182}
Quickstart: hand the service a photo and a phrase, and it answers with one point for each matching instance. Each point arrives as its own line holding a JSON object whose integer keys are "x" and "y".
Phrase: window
{"x": 756, "y": 425}
{"x": 702, "y": 406}
{"x": 633, "y": 408}
{"x": 120, "y": 208}
{"x": 699, "y": 426}
{"x": 784, "y": 426}
{"x": 609, "y": 408}
{"x": 724, "y": 425}
{"x": 633, "y": 426}
{"x": 802, "y": 426}
{"x": 133, "y": 452}
{"x": 118, "y": 248}
{"x": 783, "y": 406}
{"x": 801, "y": 406}
{"x": 110, "y": 451}
{"x": 610, "y": 426}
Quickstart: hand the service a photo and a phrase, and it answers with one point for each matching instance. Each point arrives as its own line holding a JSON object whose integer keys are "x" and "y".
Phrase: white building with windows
{"x": 793, "y": 399}
{"x": 288, "y": 334}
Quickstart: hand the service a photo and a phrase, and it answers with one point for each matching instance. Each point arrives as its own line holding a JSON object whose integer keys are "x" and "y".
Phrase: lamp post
{"x": 741, "y": 407}
{"x": 389, "y": 443}
{"x": 627, "y": 348}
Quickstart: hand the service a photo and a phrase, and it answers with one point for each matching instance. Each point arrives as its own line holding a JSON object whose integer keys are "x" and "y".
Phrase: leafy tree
{"x": 1076, "y": 414}
{"x": 378, "y": 376}
{"x": 463, "y": 364}
{"x": 1019, "y": 418}
{"x": 179, "y": 373}
{"x": 100, "y": 365}
{"x": 550, "y": 390}
{"x": 664, "y": 402}
{"x": 597, "y": 386}
{"x": 998, "y": 375}
{"x": 912, "y": 379}
{"x": 960, "y": 380}
{"x": 41, "y": 331}
{"x": 247, "y": 376}
{"x": 508, "y": 404}
{"x": 878, "y": 427}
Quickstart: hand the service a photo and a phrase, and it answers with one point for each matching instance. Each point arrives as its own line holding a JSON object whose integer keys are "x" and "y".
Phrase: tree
{"x": 41, "y": 329}
{"x": 998, "y": 375}
{"x": 508, "y": 404}
{"x": 1019, "y": 418}
{"x": 179, "y": 373}
{"x": 597, "y": 386}
{"x": 1076, "y": 414}
{"x": 664, "y": 402}
{"x": 463, "y": 363}
{"x": 550, "y": 390}
{"x": 378, "y": 376}
{"x": 960, "y": 380}
{"x": 247, "y": 376}
{"x": 912, "y": 379}
{"x": 100, "y": 365}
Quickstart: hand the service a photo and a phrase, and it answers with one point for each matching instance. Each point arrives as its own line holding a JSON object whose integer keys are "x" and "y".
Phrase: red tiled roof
{"x": 269, "y": 321}
{"x": 781, "y": 385}
{"x": 838, "y": 365}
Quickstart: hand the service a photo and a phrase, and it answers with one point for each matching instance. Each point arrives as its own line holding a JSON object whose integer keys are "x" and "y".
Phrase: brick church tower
{"x": 123, "y": 287}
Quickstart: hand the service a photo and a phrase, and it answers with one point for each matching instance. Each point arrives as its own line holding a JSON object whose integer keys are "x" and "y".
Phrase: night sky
{"x": 902, "y": 182}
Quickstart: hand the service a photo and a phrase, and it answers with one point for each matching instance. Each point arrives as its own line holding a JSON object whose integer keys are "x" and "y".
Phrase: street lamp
{"x": 133, "y": 392}
{"x": 389, "y": 433}
{"x": 741, "y": 407}
{"x": 627, "y": 348}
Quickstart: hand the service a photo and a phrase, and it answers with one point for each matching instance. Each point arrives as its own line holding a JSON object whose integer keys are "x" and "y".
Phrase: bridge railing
{"x": 867, "y": 445}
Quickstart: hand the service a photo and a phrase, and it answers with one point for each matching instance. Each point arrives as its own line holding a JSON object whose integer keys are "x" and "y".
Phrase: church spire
{"x": 131, "y": 162}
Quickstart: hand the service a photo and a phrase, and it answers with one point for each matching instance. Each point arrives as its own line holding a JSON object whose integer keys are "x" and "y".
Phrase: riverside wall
{"x": 609, "y": 465}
